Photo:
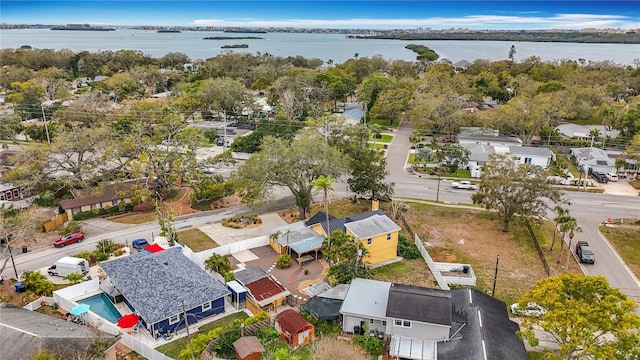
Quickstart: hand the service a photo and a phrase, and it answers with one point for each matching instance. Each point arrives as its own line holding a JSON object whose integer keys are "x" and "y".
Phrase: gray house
{"x": 538, "y": 156}
{"x": 23, "y": 333}
{"x": 597, "y": 160}
{"x": 432, "y": 324}
{"x": 162, "y": 286}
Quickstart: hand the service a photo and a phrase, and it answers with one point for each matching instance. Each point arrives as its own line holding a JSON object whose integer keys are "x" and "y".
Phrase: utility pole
{"x": 495, "y": 278}
{"x": 186, "y": 320}
{"x": 438, "y": 191}
{"x": 587, "y": 163}
{"x": 46, "y": 128}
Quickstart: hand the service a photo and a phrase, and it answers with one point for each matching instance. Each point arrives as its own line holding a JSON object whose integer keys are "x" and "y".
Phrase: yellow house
{"x": 378, "y": 234}
{"x": 373, "y": 229}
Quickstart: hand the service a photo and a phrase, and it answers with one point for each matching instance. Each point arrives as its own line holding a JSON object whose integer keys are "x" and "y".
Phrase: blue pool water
{"x": 101, "y": 305}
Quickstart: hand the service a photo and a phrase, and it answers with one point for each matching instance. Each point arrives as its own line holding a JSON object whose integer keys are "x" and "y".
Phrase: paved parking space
{"x": 619, "y": 187}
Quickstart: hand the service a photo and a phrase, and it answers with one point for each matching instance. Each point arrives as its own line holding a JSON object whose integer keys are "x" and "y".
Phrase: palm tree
{"x": 569, "y": 225}
{"x": 376, "y": 130}
{"x": 572, "y": 227}
{"x": 325, "y": 184}
{"x": 415, "y": 137}
{"x": 562, "y": 214}
{"x": 218, "y": 263}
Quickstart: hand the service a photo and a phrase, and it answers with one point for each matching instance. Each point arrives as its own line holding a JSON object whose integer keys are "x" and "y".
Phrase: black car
{"x": 584, "y": 253}
{"x": 600, "y": 177}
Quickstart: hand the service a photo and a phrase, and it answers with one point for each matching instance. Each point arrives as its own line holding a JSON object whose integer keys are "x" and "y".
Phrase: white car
{"x": 612, "y": 177}
{"x": 464, "y": 184}
{"x": 532, "y": 309}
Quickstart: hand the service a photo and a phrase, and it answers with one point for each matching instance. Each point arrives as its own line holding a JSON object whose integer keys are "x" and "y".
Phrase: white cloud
{"x": 563, "y": 21}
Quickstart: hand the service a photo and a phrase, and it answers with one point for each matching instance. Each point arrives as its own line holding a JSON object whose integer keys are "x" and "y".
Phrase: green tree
{"x": 27, "y": 97}
{"x": 218, "y": 263}
{"x": 368, "y": 174}
{"x": 324, "y": 184}
{"x": 585, "y": 317}
{"x": 38, "y": 283}
{"x": 293, "y": 164}
{"x": 561, "y": 215}
{"x": 515, "y": 191}
{"x": 452, "y": 156}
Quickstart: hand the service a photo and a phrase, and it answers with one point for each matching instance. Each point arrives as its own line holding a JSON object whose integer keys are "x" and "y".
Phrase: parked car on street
{"x": 70, "y": 238}
{"x": 139, "y": 244}
{"x": 464, "y": 184}
{"x": 584, "y": 253}
{"x": 600, "y": 177}
{"x": 532, "y": 309}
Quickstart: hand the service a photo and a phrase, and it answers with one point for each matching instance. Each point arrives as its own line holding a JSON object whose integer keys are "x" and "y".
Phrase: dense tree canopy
{"x": 585, "y": 317}
{"x": 515, "y": 191}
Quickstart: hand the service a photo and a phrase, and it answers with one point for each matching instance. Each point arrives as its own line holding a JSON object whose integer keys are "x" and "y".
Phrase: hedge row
{"x": 105, "y": 211}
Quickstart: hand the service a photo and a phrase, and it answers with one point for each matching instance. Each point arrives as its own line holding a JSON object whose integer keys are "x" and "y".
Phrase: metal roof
{"x": 250, "y": 275}
{"x": 530, "y": 150}
{"x": 373, "y": 226}
{"x": 366, "y": 298}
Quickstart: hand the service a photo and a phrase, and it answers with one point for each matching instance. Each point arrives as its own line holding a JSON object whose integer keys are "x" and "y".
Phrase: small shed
{"x": 238, "y": 294}
{"x": 294, "y": 329}
{"x": 248, "y": 348}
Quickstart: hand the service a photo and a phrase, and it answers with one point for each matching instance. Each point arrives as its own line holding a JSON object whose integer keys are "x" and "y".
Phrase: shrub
{"x": 283, "y": 261}
{"x": 267, "y": 333}
{"x": 101, "y": 256}
{"x": 370, "y": 344}
{"x": 406, "y": 249}
{"x": 73, "y": 226}
{"x": 37, "y": 283}
{"x": 142, "y": 207}
{"x": 107, "y": 246}
{"x": 256, "y": 318}
{"x": 74, "y": 278}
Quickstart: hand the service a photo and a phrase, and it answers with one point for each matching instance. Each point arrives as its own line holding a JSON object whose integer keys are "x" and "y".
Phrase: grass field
{"x": 384, "y": 138}
{"x": 384, "y": 123}
{"x": 196, "y": 240}
{"x": 626, "y": 241}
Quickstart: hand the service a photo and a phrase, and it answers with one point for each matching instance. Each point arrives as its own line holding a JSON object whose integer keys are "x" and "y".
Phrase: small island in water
{"x": 236, "y": 46}
{"x": 82, "y": 27}
{"x": 233, "y": 38}
{"x": 164, "y": 31}
{"x": 424, "y": 53}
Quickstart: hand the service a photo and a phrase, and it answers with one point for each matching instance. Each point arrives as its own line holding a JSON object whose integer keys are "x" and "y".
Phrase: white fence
{"x": 36, "y": 304}
{"x": 141, "y": 348}
{"x": 236, "y": 246}
{"x": 432, "y": 265}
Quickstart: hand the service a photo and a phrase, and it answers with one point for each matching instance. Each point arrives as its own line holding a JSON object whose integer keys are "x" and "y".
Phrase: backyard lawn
{"x": 384, "y": 138}
{"x": 196, "y": 240}
{"x": 174, "y": 348}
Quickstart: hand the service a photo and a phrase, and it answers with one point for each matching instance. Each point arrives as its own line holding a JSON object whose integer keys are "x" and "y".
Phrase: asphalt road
{"x": 589, "y": 209}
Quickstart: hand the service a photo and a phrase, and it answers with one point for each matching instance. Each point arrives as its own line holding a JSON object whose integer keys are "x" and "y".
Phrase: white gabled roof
{"x": 366, "y": 298}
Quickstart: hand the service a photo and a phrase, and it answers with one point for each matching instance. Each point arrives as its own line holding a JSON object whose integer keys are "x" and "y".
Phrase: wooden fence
{"x": 55, "y": 222}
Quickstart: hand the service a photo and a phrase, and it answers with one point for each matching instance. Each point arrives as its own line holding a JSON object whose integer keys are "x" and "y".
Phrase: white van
{"x": 612, "y": 177}
{"x": 69, "y": 265}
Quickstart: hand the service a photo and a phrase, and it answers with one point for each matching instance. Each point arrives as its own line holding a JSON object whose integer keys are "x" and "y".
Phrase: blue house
{"x": 161, "y": 287}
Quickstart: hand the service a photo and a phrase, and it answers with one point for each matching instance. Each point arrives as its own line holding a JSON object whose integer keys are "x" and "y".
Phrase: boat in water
{"x": 82, "y": 27}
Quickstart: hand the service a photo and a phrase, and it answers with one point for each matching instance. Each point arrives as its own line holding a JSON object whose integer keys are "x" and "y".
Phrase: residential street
{"x": 589, "y": 209}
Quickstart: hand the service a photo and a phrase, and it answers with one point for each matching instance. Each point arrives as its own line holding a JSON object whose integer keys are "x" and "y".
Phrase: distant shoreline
{"x": 233, "y": 38}
{"x": 569, "y": 37}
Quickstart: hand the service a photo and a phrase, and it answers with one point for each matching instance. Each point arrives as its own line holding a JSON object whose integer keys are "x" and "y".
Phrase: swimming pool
{"x": 101, "y": 305}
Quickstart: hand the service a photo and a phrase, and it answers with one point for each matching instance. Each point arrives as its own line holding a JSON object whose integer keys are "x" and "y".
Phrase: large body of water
{"x": 334, "y": 47}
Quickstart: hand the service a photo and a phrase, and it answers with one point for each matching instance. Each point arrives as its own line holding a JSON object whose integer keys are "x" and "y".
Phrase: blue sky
{"x": 514, "y": 14}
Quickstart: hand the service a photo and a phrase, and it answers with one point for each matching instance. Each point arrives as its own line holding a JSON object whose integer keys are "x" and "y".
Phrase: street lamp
{"x": 571, "y": 235}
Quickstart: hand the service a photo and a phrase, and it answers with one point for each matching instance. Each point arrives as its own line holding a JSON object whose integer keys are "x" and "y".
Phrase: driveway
{"x": 619, "y": 187}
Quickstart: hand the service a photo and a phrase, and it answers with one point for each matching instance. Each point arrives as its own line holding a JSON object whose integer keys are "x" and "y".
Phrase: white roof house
{"x": 539, "y": 156}
{"x": 596, "y": 159}
{"x": 370, "y": 298}
{"x": 476, "y": 135}
{"x": 575, "y": 131}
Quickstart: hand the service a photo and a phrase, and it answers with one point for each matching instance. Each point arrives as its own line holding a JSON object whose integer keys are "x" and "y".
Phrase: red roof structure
{"x": 265, "y": 288}
{"x": 154, "y": 248}
{"x": 294, "y": 328}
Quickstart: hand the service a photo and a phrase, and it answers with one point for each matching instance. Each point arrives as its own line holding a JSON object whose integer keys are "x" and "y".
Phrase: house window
{"x": 402, "y": 323}
{"x": 369, "y": 241}
{"x": 174, "y": 319}
{"x": 8, "y": 194}
{"x": 370, "y": 321}
{"x": 75, "y": 210}
{"x": 16, "y": 193}
{"x": 206, "y": 306}
{"x": 96, "y": 206}
{"x": 528, "y": 160}
{"x": 1, "y": 196}
{"x": 384, "y": 322}
{"x": 116, "y": 201}
{"x": 389, "y": 236}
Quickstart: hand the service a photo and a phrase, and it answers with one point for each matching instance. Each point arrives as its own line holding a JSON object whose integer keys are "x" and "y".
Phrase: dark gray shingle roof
{"x": 250, "y": 275}
{"x": 484, "y": 318}
{"x": 24, "y": 332}
{"x": 320, "y": 216}
{"x": 338, "y": 224}
{"x": 419, "y": 304}
{"x": 157, "y": 284}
